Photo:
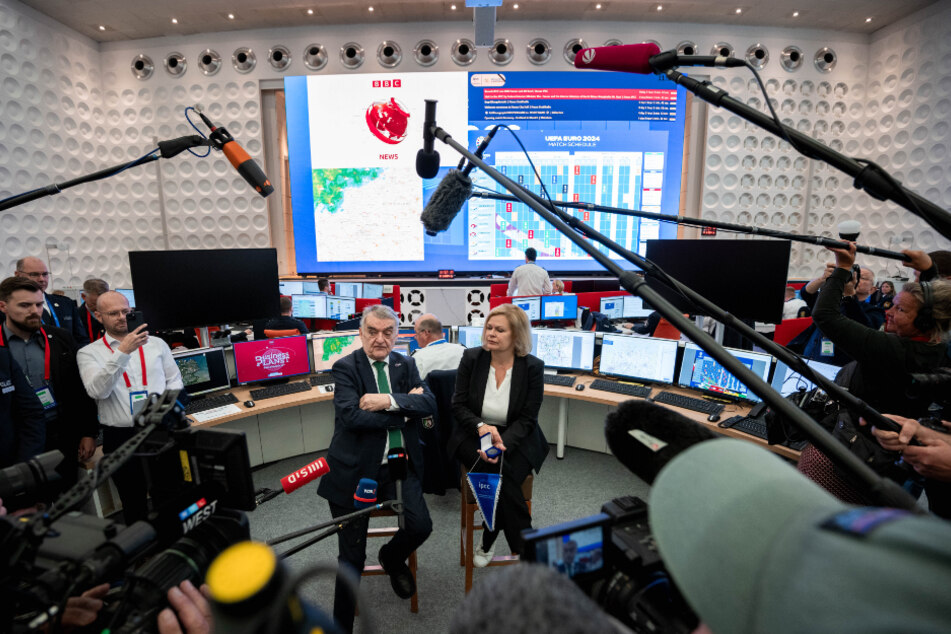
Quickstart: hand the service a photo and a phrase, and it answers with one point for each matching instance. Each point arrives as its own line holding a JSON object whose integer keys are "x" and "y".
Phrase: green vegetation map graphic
{"x": 335, "y": 345}
{"x": 194, "y": 370}
{"x": 330, "y": 184}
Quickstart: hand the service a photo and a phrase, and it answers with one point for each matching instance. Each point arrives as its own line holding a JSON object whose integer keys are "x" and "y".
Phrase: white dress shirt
{"x": 529, "y": 279}
{"x": 495, "y": 404}
{"x": 438, "y": 355}
{"x": 101, "y": 371}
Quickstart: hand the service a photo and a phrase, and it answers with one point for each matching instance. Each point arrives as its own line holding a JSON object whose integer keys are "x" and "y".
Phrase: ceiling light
{"x": 660, "y": 7}
{"x": 739, "y": 10}
{"x": 371, "y": 9}
{"x": 453, "y": 7}
{"x": 310, "y": 12}
{"x": 515, "y": 6}
{"x": 174, "y": 20}
{"x": 231, "y": 16}
{"x": 795, "y": 14}
{"x": 597, "y": 6}
{"x": 868, "y": 19}
{"x": 102, "y": 28}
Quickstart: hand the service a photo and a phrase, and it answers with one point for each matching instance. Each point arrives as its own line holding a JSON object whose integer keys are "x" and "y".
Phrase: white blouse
{"x": 495, "y": 405}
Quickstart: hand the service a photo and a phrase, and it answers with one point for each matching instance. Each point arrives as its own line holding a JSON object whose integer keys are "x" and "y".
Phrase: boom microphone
{"x": 646, "y": 59}
{"x": 427, "y": 159}
{"x": 240, "y": 160}
{"x": 645, "y": 436}
{"x": 305, "y": 474}
{"x": 365, "y": 495}
{"x": 446, "y": 202}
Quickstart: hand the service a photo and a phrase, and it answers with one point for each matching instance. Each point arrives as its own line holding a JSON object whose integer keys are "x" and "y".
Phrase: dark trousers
{"x": 352, "y": 539}
{"x": 129, "y": 478}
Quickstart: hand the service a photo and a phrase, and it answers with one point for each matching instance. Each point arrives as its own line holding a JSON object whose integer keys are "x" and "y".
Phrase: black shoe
{"x": 401, "y": 577}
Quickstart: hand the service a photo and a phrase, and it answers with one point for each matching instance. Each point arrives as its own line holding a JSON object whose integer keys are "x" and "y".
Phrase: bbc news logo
{"x": 387, "y": 83}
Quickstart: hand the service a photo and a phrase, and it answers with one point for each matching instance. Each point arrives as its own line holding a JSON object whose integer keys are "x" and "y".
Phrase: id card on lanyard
{"x": 137, "y": 398}
{"x": 44, "y": 393}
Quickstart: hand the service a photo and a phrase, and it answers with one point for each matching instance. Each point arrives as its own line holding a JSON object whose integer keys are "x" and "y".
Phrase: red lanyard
{"x": 145, "y": 376}
{"x": 46, "y": 353}
{"x": 89, "y": 327}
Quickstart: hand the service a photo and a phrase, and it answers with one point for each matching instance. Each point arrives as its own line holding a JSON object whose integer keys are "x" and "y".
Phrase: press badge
{"x": 828, "y": 348}
{"x": 137, "y": 401}
{"x": 46, "y": 397}
{"x": 7, "y": 386}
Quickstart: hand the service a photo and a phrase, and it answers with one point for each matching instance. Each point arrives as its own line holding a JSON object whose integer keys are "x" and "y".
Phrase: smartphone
{"x": 490, "y": 450}
{"x": 134, "y": 319}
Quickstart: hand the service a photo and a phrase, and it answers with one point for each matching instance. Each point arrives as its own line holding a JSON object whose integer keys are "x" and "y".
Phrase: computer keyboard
{"x": 559, "y": 379}
{"x": 324, "y": 378}
{"x": 621, "y": 388}
{"x": 686, "y": 402}
{"x": 203, "y": 404}
{"x": 752, "y": 426}
{"x": 282, "y": 389}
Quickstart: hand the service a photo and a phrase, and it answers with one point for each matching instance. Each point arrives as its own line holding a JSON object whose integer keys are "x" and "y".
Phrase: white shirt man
{"x": 434, "y": 352}
{"x": 793, "y": 304}
{"x": 529, "y": 279}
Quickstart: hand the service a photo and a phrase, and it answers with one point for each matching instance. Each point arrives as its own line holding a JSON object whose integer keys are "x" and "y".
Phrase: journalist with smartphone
{"x": 499, "y": 389}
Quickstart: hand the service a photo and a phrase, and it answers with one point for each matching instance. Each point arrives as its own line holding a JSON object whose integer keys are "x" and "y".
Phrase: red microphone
{"x": 302, "y": 476}
{"x": 646, "y": 59}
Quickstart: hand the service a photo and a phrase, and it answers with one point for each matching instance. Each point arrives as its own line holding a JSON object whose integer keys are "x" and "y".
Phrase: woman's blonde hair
{"x": 940, "y": 307}
{"x": 518, "y": 322}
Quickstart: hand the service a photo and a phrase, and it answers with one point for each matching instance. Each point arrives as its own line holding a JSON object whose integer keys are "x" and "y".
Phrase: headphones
{"x": 924, "y": 321}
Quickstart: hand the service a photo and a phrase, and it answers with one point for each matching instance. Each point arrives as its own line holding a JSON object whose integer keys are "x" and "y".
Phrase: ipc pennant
{"x": 485, "y": 488}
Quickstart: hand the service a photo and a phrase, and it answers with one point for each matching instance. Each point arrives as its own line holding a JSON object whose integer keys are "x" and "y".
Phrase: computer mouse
{"x": 579, "y": 387}
{"x": 713, "y": 418}
{"x": 329, "y": 388}
{"x": 249, "y": 403}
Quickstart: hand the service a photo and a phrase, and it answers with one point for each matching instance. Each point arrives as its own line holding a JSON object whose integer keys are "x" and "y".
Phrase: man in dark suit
{"x": 58, "y": 310}
{"x": 22, "y": 429}
{"x": 379, "y": 400}
{"x": 47, "y": 355}
{"x": 92, "y": 289}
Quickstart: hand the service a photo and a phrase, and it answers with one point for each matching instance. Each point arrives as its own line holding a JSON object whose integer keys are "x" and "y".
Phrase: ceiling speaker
{"x": 501, "y": 52}
{"x": 463, "y": 52}
{"x": 723, "y": 49}
{"x": 426, "y": 53}
{"x": 757, "y": 55}
{"x": 175, "y": 64}
{"x": 142, "y": 67}
{"x": 279, "y": 57}
{"x": 791, "y": 58}
{"x": 654, "y": 42}
{"x": 539, "y": 51}
{"x": 315, "y": 56}
{"x": 614, "y": 42}
{"x": 352, "y": 55}
{"x": 572, "y": 47}
{"x": 243, "y": 59}
{"x": 389, "y": 54}
{"x": 686, "y": 48}
{"x": 825, "y": 60}
{"x": 209, "y": 62}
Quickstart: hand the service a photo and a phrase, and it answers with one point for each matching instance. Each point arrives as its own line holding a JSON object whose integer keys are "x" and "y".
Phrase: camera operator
{"x": 932, "y": 458}
{"x": 929, "y": 266}
{"x": 192, "y": 613}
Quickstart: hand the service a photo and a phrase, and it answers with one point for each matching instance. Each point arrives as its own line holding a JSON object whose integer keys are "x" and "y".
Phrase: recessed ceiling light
{"x": 231, "y": 16}
{"x": 102, "y": 28}
{"x": 739, "y": 10}
{"x": 310, "y": 12}
{"x": 660, "y": 7}
{"x": 174, "y": 20}
{"x": 453, "y": 7}
{"x": 597, "y": 6}
{"x": 795, "y": 14}
{"x": 868, "y": 19}
{"x": 515, "y": 6}
{"x": 371, "y": 9}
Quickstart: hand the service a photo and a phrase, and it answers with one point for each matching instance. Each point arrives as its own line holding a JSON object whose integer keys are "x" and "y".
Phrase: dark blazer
{"x": 69, "y": 319}
{"x": 521, "y": 432}
{"x": 22, "y": 423}
{"x": 356, "y": 449}
{"x": 85, "y": 319}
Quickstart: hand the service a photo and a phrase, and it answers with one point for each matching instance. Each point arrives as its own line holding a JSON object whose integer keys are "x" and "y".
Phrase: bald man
{"x": 434, "y": 353}
{"x": 58, "y": 310}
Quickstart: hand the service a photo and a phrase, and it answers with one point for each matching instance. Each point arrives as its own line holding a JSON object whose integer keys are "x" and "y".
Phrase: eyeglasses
{"x": 118, "y": 313}
{"x": 36, "y": 275}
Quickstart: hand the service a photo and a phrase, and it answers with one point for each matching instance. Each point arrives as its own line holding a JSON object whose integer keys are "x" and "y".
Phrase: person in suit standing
{"x": 92, "y": 289}
{"x": 378, "y": 402}
{"x": 58, "y": 311}
{"x": 499, "y": 390}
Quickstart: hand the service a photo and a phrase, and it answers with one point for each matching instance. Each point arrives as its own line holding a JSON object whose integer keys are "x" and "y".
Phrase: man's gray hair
{"x": 380, "y": 311}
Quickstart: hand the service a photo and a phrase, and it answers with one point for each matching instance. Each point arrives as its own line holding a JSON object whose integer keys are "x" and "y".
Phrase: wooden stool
{"x": 468, "y": 527}
{"x": 377, "y": 569}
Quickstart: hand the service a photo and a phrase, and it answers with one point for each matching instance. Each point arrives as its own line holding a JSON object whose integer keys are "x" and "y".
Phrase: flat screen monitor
{"x": 291, "y": 287}
{"x": 531, "y": 305}
{"x": 402, "y": 347}
{"x": 329, "y": 347}
{"x": 203, "y": 370}
{"x": 340, "y": 307}
{"x": 641, "y": 358}
{"x": 269, "y": 359}
{"x": 195, "y": 288}
{"x": 700, "y": 371}
{"x": 624, "y": 307}
{"x": 564, "y": 349}
{"x": 373, "y": 291}
{"x": 348, "y": 289}
{"x": 558, "y": 307}
{"x": 408, "y": 336}
{"x": 313, "y": 288}
{"x": 787, "y": 381}
{"x": 128, "y": 294}
{"x": 309, "y": 306}
{"x": 469, "y": 336}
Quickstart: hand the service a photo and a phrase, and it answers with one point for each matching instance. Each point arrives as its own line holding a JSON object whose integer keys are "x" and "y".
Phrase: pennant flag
{"x": 485, "y": 488}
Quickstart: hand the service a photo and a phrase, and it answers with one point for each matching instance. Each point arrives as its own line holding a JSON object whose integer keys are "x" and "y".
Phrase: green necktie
{"x": 396, "y": 439}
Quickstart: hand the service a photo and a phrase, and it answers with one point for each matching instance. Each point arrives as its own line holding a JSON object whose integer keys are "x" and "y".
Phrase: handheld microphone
{"x": 305, "y": 474}
{"x": 240, "y": 160}
{"x": 646, "y": 59}
{"x": 644, "y": 437}
{"x": 365, "y": 495}
{"x": 427, "y": 159}
{"x": 850, "y": 230}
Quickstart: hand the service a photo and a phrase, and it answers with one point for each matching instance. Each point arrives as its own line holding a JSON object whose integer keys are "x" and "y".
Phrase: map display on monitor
{"x": 328, "y": 348}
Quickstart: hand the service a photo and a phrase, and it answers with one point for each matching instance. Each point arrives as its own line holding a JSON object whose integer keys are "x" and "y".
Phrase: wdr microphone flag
{"x": 485, "y": 487}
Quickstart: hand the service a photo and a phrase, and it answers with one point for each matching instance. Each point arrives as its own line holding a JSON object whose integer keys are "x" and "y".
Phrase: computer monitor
{"x": 408, "y": 336}
{"x": 268, "y": 359}
{"x": 373, "y": 291}
{"x": 532, "y": 305}
{"x": 624, "y": 307}
{"x": 786, "y": 380}
{"x": 700, "y": 371}
{"x": 329, "y": 347}
{"x": 309, "y": 306}
{"x": 313, "y": 288}
{"x": 564, "y": 349}
{"x": 642, "y": 358}
{"x": 203, "y": 370}
{"x": 558, "y": 307}
{"x": 291, "y": 287}
{"x": 340, "y": 307}
{"x": 348, "y": 289}
{"x": 128, "y": 294}
{"x": 402, "y": 347}
{"x": 469, "y": 336}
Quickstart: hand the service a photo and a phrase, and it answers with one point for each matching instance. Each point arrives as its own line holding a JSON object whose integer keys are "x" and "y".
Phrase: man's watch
{"x": 480, "y": 425}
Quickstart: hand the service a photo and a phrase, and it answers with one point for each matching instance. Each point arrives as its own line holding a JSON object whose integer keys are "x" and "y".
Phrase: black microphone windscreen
{"x": 645, "y": 436}
{"x": 446, "y": 202}
{"x": 427, "y": 164}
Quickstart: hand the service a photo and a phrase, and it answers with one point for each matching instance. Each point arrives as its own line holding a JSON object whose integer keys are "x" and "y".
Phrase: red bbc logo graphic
{"x": 508, "y": 244}
{"x": 388, "y": 83}
{"x": 577, "y": 170}
{"x": 587, "y": 215}
{"x": 531, "y": 234}
{"x": 557, "y": 252}
{"x": 574, "y": 197}
{"x": 508, "y": 207}
{"x": 594, "y": 179}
